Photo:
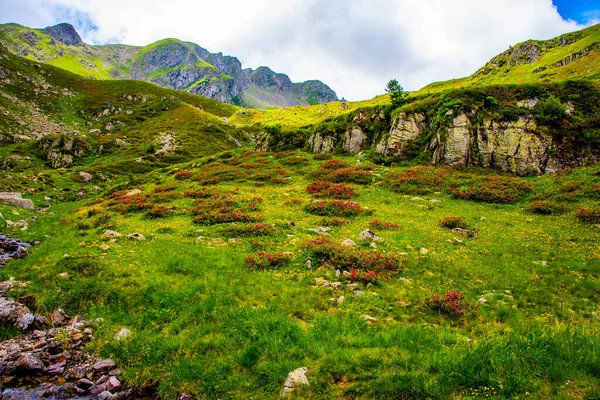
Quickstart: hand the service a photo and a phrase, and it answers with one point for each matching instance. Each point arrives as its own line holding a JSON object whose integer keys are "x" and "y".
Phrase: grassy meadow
{"x": 230, "y": 314}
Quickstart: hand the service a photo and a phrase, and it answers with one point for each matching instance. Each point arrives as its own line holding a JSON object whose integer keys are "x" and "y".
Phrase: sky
{"x": 354, "y": 46}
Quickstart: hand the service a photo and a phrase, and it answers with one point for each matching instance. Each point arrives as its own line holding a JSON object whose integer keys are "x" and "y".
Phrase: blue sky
{"x": 582, "y": 11}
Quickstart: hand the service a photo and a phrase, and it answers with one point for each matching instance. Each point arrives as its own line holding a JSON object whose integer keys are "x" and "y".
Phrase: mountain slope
{"x": 570, "y": 56}
{"x": 169, "y": 63}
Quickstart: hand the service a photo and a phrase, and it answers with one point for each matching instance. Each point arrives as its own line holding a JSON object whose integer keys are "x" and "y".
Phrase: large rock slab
{"x": 15, "y": 199}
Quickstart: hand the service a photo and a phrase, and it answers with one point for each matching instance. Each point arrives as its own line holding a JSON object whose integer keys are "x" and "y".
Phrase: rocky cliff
{"x": 169, "y": 63}
{"x": 470, "y": 129}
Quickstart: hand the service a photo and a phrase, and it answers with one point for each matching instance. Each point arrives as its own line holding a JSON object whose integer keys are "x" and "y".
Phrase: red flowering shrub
{"x": 322, "y": 156}
{"x": 328, "y": 253}
{"x": 292, "y": 202}
{"x": 369, "y": 276}
{"x": 198, "y": 194}
{"x": 545, "y": 207}
{"x": 493, "y": 189}
{"x": 161, "y": 189}
{"x": 220, "y": 210}
{"x": 333, "y": 221}
{"x": 418, "y": 180}
{"x": 256, "y": 229}
{"x": 294, "y": 160}
{"x": 454, "y": 222}
{"x": 589, "y": 215}
{"x": 264, "y": 260}
{"x": 183, "y": 175}
{"x": 351, "y": 174}
{"x": 337, "y": 208}
{"x": 328, "y": 189}
{"x": 160, "y": 212}
{"x": 383, "y": 225}
{"x": 123, "y": 203}
{"x": 333, "y": 165}
{"x": 452, "y": 304}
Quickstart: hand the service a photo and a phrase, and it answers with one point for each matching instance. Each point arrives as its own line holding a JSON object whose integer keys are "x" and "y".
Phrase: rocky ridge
{"x": 169, "y": 63}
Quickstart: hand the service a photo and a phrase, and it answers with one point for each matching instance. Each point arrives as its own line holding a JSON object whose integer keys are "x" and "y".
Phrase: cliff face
{"x": 462, "y": 129}
{"x": 169, "y": 63}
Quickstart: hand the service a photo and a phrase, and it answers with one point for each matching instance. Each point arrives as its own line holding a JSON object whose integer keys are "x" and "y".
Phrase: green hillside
{"x": 570, "y": 56}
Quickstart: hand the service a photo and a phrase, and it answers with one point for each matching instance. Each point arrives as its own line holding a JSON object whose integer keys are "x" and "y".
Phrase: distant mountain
{"x": 574, "y": 55}
{"x": 169, "y": 63}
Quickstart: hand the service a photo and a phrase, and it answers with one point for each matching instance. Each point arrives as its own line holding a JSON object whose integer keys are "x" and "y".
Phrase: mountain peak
{"x": 64, "y": 33}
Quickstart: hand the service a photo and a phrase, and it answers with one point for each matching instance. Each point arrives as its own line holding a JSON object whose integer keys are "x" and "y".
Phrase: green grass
{"x": 203, "y": 323}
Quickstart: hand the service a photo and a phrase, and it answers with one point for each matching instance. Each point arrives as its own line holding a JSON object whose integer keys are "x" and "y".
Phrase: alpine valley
{"x": 177, "y": 227}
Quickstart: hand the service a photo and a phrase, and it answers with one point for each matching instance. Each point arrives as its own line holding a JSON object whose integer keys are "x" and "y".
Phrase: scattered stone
{"x": 235, "y": 240}
{"x": 346, "y": 274}
{"x": 11, "y": 249}
{"x": 123, "y": 334}
{"x": 358, "y": 293}
{"x": 29, "y": 362}
{"x": 59, "y": 317}
{"x": 373, "y": 245}
{"x": 104, "y": 247}
{"x": 22, "y": 225}
{"x": 340, "y": 300}
{"x": 435, "y": 201}
{"x": 352, "y": 286}
{"x": 85, "y": 176}
{"x": 294, "y": 379}
{"x": 15, "y": 313}
{"x": 368, "y": 234}
{"x": 15, "y": 199}
{"x": 424, "y": 250}
{"x": 337, "y": 273}
{"x": 113, "y": 384}
{"x": 405, "y": 280}
{"x": 108, "y": 234}
{"x": 308, "y": 264}
{"x": 322, "y": 230}
{"x": 200, "y": 239}
{"x": 482, "y": 300}
{"x": 64, "y": 275}
{"x": 369, "y": 319}
{"x": 322, "y": 282}
{"x": 104, "y": 365}
{"x": 136, "y": 236}
{"x": 133, "y": 192}
{"x": 336, "y": 285}
{"x": 542, "y": 263}
{"x": 348, "y": 243}
{"x": 417, "y": 199}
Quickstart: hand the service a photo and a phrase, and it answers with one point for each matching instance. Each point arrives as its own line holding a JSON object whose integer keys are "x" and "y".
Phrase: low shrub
{"x": 162, "y": 189}
{"x": 452, "y": 304}
{"x": 351, "y": 175}
{"x": 454, "y": 222}
{"x": 330, "y": 254}
{"x": 589, "y": 215}
{"x": 336, "y": 208}
{"x": 293, "y": 202}
{"x": 545, "y": 207}
{"x": 263, "y": 261}
{"x": 322, "y": 156}
{"x": 383, "y": 225}
{"x": 493, "y": 189}
{"x": 333, "y": 221}
{"x": 160, "y": 212}
{"x": 220, "y": 210}
{"x": 366, "y": 277}
{"x": 418, "y": 180}
{"x": 183, "y": 175}
{"x": 329, "y": 189}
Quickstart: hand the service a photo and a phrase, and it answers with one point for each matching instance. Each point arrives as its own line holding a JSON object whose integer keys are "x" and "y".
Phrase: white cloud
{"x": 355, "y": 46}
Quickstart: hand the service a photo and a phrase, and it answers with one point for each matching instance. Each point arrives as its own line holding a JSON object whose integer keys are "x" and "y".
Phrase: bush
{"x": 351, "y": 174}
{"x": 452, "y": 304}
{"x": 262, "y": 260}
{"x": 545, "y": 207}
{"x": 550, "y": 111}
{"x": 383, "y": 225}
{"x": 454, "y": 222}
{"x": 183, "y": 175}
{"x": 322, "y": 156}
{"x": 493, "y": 189}
{"x": 329, "y": 189}
{"x": 418, "y": 180}
{"x": 366, "y": 277}
{"x": 160, "y": 212}
{"x": 330, "y": 254}
{"x": 335, "y": 208}
{"x": 334, "y": 221}
{"x": 589, "y": 215}
{"x": 220, "y": 210}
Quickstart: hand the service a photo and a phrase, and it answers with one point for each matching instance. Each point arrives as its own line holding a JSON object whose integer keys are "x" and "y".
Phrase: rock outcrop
{"x": 15, "y": 199}
{"x": 64, "y": 33}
